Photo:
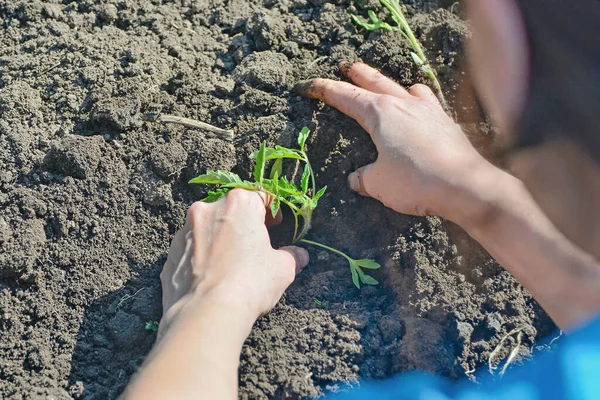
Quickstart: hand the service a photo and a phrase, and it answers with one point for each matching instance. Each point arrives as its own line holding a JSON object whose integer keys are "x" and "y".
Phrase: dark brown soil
{"x": 90, "y": 194}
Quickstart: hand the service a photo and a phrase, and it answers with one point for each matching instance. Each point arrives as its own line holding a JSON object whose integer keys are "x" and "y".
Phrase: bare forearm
{"x": 502, "y": 216}
{"x": 197, "y": 358}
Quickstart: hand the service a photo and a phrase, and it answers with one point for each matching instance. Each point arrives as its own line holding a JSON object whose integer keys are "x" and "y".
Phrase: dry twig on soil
{"x": 224, "y": 134}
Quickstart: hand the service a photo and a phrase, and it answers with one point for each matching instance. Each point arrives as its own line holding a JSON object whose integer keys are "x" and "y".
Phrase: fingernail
{"x": 302, "y": 257}
{"x": 345, "y": 67}
{"x": 303, "y": 87}
{"x": 354, "y": 182}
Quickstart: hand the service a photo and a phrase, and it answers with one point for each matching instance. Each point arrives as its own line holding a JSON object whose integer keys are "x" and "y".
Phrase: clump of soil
{"x": 90, "y": 194}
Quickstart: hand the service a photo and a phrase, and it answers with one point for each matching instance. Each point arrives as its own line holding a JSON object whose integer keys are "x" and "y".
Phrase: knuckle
{"x": 196, "y": 209}
{"x": 237, "y": 196}
{"x": 376, "y": 77}
{"x": 420, "y": 88}
{"x": 378, "y": 108}
{"x": 384, "y": 104}
{"x": 244, "y": 199}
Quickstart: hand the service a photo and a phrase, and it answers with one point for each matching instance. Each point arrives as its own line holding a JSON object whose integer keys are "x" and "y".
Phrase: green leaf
{"x": 275, "y": 184}
{"x": 305, "y": 178}
{"x": 315, "y": 200}
{"x": 259, "y": 169}
{"x": 286, "y": 185}
{"x": 279, "y": 152}
{"x": 302, "y": 137}
{"x": 368, "y": 280}
{"x": 417, "y": 60}
{"x": 368, "y": 264}
{"x": 217, "y": 178}
{"x": 241, "y": 185}
{"x": 377, "y": 23}
{"x": 275, "y": 205}
{"x": 283, "y": 152}
{"x": 277, "y": 168}
{"x": 320, "y": 194}
{"x": 152, "y": 326}
{"x": 354, "y": 270}
{"x": 215, "y": 195}
{"x": 297, "y": 199}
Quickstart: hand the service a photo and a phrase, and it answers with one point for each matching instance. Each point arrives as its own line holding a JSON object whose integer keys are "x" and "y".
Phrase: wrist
{"x": 201, "y": 309}
{"x": 480, "y": 194}
{"x": 240, "y": 315}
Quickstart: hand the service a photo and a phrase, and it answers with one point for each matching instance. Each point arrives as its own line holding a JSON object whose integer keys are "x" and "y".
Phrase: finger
{"x": 360, "y": 181}
{"x": 373, "y": 80}
{"x": 353, "y": 101}
{"x": 198, "y": 223}
{"x": 296, "y": 256}
{"x": 424, "y": 92}
{"x": 247, "y": 205}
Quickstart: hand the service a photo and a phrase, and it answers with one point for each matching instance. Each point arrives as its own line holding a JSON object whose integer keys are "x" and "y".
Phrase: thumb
{"x": 357, "y": 179}
{"x": 299, "y": 255}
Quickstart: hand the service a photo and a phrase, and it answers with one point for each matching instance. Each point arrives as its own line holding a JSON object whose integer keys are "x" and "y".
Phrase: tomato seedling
{"x": 302, "y": 201}
{"x": 402, "y": 26}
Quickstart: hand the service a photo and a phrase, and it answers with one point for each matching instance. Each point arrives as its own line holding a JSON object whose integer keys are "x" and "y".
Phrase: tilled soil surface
{"x": 91, "y": 193}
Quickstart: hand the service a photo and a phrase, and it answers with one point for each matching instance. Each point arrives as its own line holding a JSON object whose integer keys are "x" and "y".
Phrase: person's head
{"x": 536, "y": 66}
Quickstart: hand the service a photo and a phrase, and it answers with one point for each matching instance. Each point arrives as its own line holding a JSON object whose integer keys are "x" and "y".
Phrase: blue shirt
{"x": 571, "y": 371}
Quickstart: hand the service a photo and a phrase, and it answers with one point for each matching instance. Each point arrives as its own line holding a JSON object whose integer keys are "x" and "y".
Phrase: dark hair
{"x": 564, "y": 92}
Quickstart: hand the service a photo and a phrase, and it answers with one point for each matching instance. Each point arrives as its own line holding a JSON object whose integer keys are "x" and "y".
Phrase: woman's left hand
{"x": 223, "y": 254}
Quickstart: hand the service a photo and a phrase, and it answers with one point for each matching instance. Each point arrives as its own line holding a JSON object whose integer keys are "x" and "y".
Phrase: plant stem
{"x": 294, "y": 240}
{"x": 327, "y": 248}
{"x": 396, "y": 10}
{"x": 306, "y": 219}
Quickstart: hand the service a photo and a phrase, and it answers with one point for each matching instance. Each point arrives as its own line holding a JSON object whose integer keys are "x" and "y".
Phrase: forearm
{"x": 501, "y": 215}
{"x": 197, "y": 358}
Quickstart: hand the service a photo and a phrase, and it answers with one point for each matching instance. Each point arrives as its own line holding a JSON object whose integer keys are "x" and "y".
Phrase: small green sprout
{"x": 302, "y": 201}
{"x": 152, "y": 326}
{"x": 318, "y": 302}
{"x": 402, "y": 26}
{"x": 358, "y": 276}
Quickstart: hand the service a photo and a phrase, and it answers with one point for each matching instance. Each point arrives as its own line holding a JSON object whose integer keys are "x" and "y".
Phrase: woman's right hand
{"x": 425, "y": 162}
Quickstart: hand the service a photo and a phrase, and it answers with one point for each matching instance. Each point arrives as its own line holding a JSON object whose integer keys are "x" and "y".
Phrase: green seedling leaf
{"x": 277, "y": 168}
{"x": 241, "y": 185}
{"x": 275, "y": 206}
{"x": 302, "y": 137}
{"x": 318, "y": 302}
{"x": 355, "y": 278}
{"x": 315, "y": 200}
{"x": 417, "y": 60}
{"x": 287, "y": 186}
{"x": 283, "y": 152}
{"x": 297, "y": 199}
{"x": 217, "y": 178}
{"x": 152, "y": 326}
{"x": 215, "y": 195}
{"x": 278, "y": 152}
{"x": 276, "y": 202}
{"x": 366, "y": 279}
{"x": 377, "y": 23}
{"x": 368, "y": 264}
{"x": 305, "y": 178}
{"x": 259, "y": 169}
{"x": 320, "y": 194}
